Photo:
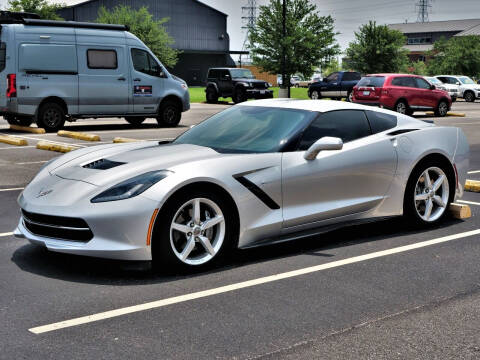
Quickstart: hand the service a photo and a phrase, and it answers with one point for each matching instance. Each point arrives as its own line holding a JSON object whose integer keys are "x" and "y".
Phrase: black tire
{"x": 402, "y": 107}
{"x": 410, "y": 211}
{"x": 469, "y": 96}
{"x": 135, "y": 120}
{"x": 239, "y": 96}
{"x": 442, "y": 108}
{"x": 350, "y": 96}
{"x": 170, "y": 114}
{"x": 22, "y": 121}
{"x": 163, "y": 254}
{"x": 51, "y": 117}
{"x": 315, "y": 95}
{"x": 212, "y": 95}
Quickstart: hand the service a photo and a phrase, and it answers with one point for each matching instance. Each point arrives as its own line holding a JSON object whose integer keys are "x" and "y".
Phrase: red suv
{"x": 402, "y": 93}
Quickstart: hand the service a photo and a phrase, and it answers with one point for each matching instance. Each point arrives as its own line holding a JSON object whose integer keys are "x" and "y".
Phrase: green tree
{"x": 418, "y": 67}
{"x": 146, "y": 28}
{"x": 377, "y": 49}
{"x": 43, "y": 8}
{"x": 458, "y": 55}
{"x": 309, "y": 40}
{"x": 332, "y": 67}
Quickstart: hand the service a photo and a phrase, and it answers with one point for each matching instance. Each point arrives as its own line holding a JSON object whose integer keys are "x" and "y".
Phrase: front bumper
{"x": 119, "y": 230}
{"x": 259, "y": 94}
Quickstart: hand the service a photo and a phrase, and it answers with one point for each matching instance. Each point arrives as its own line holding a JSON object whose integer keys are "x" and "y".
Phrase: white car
{"x": 451, "y": 89}
{"x": 467, "y": 88}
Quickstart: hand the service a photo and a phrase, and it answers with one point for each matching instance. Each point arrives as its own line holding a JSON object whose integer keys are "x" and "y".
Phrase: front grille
{"x": 260, "y": 85}
{"x": 57, "y": 227}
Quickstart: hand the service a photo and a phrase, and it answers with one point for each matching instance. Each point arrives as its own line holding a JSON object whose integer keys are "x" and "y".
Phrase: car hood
{"x": 255, "y": 81}
{"x": 471, "y": 86}
{"x": 114, "y": 165}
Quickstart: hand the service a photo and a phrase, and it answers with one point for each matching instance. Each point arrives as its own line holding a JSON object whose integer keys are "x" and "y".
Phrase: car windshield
{"x": 371, "y": 81}
{"x": 248, "y": 129}
{"x": 466, "y": 80}
{"x": 241, "y": 74}
{"x": 434, "y": 81}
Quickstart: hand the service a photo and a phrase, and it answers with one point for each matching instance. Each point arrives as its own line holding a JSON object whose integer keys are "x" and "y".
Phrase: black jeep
{"x": 240, "y": 84}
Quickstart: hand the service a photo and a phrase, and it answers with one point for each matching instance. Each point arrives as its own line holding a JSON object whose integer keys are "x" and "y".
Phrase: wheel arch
{"x": 53, "y": 99}
{"x": 403, "y": 99}
{"x": 173, "y": 98}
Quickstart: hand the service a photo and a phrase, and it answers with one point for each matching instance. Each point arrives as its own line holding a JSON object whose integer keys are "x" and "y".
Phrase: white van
{"x": 57, "y": 71}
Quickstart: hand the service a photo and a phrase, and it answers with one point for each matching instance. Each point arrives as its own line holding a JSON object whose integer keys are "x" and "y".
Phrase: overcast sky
{"x": 348, "y": 14}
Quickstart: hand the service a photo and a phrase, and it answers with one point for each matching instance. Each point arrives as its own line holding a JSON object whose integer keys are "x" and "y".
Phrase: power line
{"x": 424, "y": 7}
{"x": 249, "y": 18}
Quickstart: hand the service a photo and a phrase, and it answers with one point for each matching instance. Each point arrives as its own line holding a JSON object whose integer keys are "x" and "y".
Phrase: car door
{"x": 337, "y": 183}
{"x": 331, "y": 87}
{"x": 147, "y": 82}
{"x": 225, "y": 83}
{"x": 426, "y": 97}
{"x": 103, "y": 80}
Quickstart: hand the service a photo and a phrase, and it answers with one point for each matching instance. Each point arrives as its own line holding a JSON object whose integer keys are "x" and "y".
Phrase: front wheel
{"x": 315, "y": 95}
{"x": 350, "y": 96}
{"x": 239, "y": 96}
{"x": 170, "y": 114}
{"x": 442, "y": 109}
{"x": 401, "y": 107}
{"x": 428, "y": 194}
{"x": 212, "y": 95}
{"x": 194, "y": 230}
{"x": 51, "y": 117}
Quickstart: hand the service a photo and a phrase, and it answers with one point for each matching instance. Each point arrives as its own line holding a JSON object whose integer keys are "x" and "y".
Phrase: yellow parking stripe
{"x": 11, "y": 140}
{"x": 78, "y": 135}
{"x": 119, "y": 140}
{"x": 472, "y": 185}
{"x": 28, "y": 129}
{"x": 63, "y": 148}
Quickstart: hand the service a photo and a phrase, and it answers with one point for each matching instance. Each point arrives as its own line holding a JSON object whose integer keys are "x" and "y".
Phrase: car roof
{"x": 391, "y": 74}
{"x": 309, "y": 105}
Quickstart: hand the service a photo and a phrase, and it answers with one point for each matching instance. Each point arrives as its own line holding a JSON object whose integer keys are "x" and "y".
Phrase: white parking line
{"x": 474, "y": 172}
{"x": 242, "y": 285}
{"x": 468, "y": 202}
{"x": 6, "y": 234}
{"x": 12, "y": 189}
{"x": 31, "y": 162}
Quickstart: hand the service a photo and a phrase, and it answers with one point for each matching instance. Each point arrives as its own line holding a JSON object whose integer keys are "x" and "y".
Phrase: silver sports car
{"x": 257, "y": 173}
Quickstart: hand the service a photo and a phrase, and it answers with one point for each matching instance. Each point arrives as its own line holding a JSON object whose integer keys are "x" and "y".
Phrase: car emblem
{"x": 43, "y": 193}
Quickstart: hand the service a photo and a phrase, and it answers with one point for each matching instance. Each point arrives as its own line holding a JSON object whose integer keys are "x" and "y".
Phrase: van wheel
{"x": 135, "y": 120}
{"x": 212, "y": 96}
{"x": 51, "y": 117}
{"x": 170, "y": 114}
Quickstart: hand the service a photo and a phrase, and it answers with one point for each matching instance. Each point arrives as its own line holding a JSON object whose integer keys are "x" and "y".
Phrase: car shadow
{"x": 73, "y": 268}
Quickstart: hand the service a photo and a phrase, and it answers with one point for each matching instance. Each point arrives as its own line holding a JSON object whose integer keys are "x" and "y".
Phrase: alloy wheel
{"x": 52, "y": 117}
{"x": 197, "y": 231}
{"x": 442, "y": 108}
{"x": 431, "y": 194}
{"x": 401, "y": 108}
{"x": 315, "y": 95}
{"x": 170, "y": 115}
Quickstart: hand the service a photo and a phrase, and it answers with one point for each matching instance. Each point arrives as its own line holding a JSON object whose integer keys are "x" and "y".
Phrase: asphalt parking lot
{"x": 377, "y": 291}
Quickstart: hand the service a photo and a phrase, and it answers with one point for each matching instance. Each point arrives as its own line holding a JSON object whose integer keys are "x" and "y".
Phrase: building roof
{"x": 472, "y": 31}
{"x": 198, "y": 1}
{"x": 436, "y": 26}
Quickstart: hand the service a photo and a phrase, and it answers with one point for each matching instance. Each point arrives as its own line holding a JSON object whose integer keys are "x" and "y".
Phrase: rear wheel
{"x": 428, "y": 193}
{"x": 442, "y": 109}
{"x": 135, "y": 120}
{"x": 350, "y": 96}
{"x": 170, "y": 114}
{"x": 401, "y": 107}
{"x": 212, "y": 95}
{"x": 51, "y": 117}
{"x": 469, "y": 96}
{"x": 196, "y": 229}
{"x": 316, "y": 95}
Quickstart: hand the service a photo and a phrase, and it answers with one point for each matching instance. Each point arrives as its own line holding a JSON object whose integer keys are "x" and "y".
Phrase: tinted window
{"x": 102, "y": 59}
{"x": 224, "y": 73}
{"x": 213, "y": 74}
{"x": 145, "y": 63}
{"x": 404, "y": 81}
{"x": 422, "y": 84}
{"x": 448, "y": 80}
{"x": 3, "y": 55}
{"x": 248, "y": 129}
{"x": 332, "y": 77}
{"x": 351, "y": 76}
{"x": 347, "y": 125}
{"x": 372, "y": 81}
{"x": 380, "y": 121}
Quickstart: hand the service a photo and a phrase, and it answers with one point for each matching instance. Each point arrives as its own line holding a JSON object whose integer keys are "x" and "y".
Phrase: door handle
{"x": 137, "y": 79}
{"x": 121, "y": 79}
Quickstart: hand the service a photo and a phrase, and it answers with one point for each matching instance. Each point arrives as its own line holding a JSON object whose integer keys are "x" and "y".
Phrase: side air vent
{"x": 401, "y": 131}
{"x": 103, "y": 164}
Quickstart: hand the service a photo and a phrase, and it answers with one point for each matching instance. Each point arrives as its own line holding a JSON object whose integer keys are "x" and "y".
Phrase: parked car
{"x": 55, "y": 71}
{"x": 237, "y": 83}
{"x": 336, "y": 86}
{"x": 450, "y": 88}
{"x": 403, "y": 93}
{"x": 466, "y": 86}
{"x": 294, "y": 80}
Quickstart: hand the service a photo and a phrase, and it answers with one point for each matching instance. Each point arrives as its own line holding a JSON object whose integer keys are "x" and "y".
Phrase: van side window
{"x": 102, "y": 59}
{"x": 145, "y": 63}
{"x": 3, "y": 55}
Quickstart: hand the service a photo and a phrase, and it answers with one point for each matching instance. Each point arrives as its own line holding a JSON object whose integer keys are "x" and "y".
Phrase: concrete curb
{"x": 472, "y": 186}
{"x": 29, "y": 129}
{"x": 78, "y": 135}
{"x": 45, "y": 145}
{"x": 11, "y": 140}
{"x": 460, "y": 211}
{"x": 119, "y": 140}
{"x": 456, "y": 114}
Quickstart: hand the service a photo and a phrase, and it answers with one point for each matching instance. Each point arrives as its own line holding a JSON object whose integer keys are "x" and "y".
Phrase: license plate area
{"x": 366, "y": 93}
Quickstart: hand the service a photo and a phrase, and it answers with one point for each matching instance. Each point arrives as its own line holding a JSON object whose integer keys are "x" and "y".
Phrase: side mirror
{"x": 325, "y": 143}
{"x": 161, "y": 74}
{"x": 457, "y": 83}
{"x": 226, "y": 77}
{"x": 432, "y": 87}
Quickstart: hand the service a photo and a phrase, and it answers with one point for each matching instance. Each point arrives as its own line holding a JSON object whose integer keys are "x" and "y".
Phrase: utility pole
{"x": 250, "y": 19}
{"x": 424, "y": 7}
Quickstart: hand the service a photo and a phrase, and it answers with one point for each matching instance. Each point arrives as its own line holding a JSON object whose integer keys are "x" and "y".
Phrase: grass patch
{"x": 197, "y": 94}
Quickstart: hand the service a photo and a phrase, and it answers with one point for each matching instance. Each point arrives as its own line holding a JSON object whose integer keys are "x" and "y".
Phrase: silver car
{"x": 257, "y": 173}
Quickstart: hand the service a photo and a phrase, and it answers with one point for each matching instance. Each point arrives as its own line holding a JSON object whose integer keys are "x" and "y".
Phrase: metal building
{"x": 199, "y": 31}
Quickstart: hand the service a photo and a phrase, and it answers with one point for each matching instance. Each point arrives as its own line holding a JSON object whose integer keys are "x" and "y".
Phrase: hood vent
{"x": 103, "y": 164}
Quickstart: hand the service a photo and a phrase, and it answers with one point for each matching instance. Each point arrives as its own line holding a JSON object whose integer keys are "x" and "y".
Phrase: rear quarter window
{"x": 47, "y": 58}
{"x": 380, "y": 121}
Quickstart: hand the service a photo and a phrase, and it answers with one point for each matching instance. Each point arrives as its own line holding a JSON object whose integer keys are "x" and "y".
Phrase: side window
{"x": 347, "y": 125}
{"x": 332, "y": 77}
{"x": 409, "y": 82}
{"x": 213, "y": 74}
{"x": 443, "y": 79}
{"x": 347, "y": 77}
{"x": 356, "y": 76}
{"x": 102, "y": 59}
{"x": 3, "y": 55}
{"x": 398, "y": 81}
{"x": 380, "y": 121}
{"x": 451, "y": 80}
{"x": 422, "y": 84}
{"x": 145, "y": 63}
{"x": 223, "y": 74}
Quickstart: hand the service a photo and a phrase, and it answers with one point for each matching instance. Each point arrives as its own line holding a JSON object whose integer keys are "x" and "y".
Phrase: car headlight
{"x": 131, "y": 187}
{"x": 270, "y": 85}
